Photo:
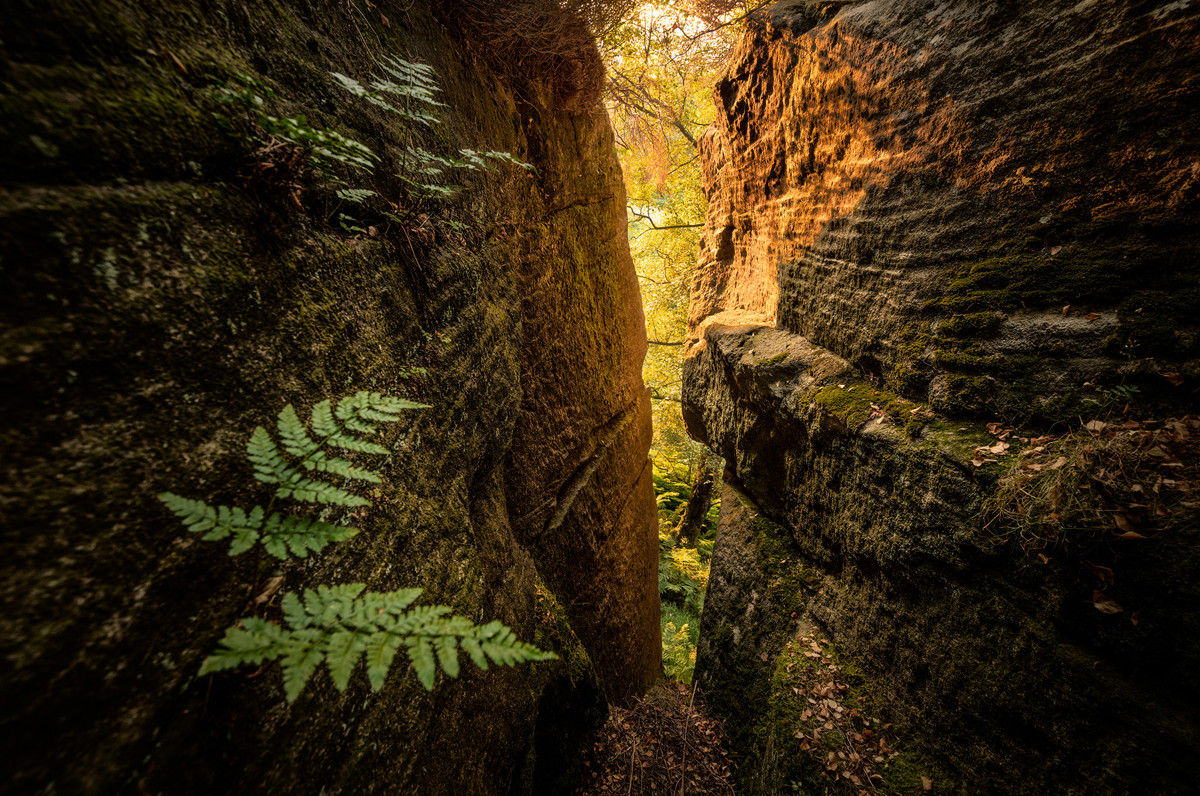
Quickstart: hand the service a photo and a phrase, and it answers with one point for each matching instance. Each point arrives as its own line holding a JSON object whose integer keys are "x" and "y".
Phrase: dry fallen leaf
{"x": 1091, "y": 316}
{"x": 269, "y": 588}
{"x": 1130, "y": 535}
{"x": 1066, "y": 309}
{"x": 1174, "y": 378}
{"x": 1105, "y": 604}
{"x": 926, "y": 783}
{"x": 1055, "y": 250}
{"x": 1096, "y": 425}
{"x": 1059, "y": 462}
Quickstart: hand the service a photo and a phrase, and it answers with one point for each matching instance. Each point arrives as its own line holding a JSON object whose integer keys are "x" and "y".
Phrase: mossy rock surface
{"x": 159, "y": 302}
{"x": 997, "y": 666}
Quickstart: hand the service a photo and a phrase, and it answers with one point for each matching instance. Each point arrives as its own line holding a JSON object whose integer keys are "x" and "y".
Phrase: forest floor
{"x": 665, "y": 743}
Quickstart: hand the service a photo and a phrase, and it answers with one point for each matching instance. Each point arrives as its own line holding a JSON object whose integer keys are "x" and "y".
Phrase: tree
{"x": 663, "y": 61}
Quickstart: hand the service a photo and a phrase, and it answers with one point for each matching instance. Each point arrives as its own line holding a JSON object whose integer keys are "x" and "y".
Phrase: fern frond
{"x": 356, "y": 195}
{"x": 341, "y": 625}
{"x": 218, "y": 522}
{"x": 363, "y": 411}
{"x": 271, "y": 468}
{"x": 280, "y": 535}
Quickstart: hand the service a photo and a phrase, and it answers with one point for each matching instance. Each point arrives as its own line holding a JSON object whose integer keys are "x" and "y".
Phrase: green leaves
{"x": 296, "y": 470}
{"x": 326, "y": 147}
{"x": 281, "y": 536}
{"x": 415, "y": 84}
{"x": 341, "y": 625}
{"x": 337, "y": 626}
{"x": 355, "y": 417}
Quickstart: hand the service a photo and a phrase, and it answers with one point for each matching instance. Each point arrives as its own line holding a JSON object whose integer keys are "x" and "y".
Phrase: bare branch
{"x": 644, "y": 217}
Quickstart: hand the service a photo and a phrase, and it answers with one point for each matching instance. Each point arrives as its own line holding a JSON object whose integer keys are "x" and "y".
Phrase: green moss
{"x": 854, "y": 404}
{"x": 851, "y": 404}
{"x": 1024, "y": 280}
{"x": 963, "y": 395}
{"x": 775, "y": 360}
{"x": 907, "y": 375}
{"x": 787, "y": 766}
{"x": 553, "y": 631}
{"x": 963, "y": 361}
{"x": 976, "y": 324}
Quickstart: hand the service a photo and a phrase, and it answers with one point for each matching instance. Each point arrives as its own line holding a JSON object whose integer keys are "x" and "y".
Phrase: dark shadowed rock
{"x": 1004, "y": 670}
{"x": 158, "y": 304}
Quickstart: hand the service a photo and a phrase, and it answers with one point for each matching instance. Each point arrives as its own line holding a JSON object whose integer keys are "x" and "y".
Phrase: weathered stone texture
{"x": 1003, "y": 671}
{"x": 157, "y": 306}
{"x": 877, "y": 168}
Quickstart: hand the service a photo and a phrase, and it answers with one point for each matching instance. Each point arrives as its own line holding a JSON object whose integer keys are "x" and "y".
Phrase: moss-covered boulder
{"x": 1007, "y": 671}
{"x": 169, "y": 283}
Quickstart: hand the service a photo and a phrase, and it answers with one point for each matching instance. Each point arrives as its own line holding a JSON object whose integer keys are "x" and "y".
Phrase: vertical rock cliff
{"x": 163, "y": 294}
{"x": 924, "y": 218}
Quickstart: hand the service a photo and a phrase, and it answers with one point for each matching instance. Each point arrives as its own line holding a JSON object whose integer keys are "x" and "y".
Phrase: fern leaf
{"x": 321, "y": 462}
{"x": 196, "y": 514}
{"x": 269, "y": 465}
{"x": 298, "y": 667}
{"x": 473, "y": 649}
{"x": 381, "y": 651}
{"x": 420, "y": 652}
{"x": 343, "y": 650}
{"x": 299, "y": 535}
{"x": 339, "y": 625}
{"x": 325, "y": 426}
{"x": 312, "y": 491}
{"x": 220, "y": 522}
{"x": 294, "y": 435}
{"x": 447, "y": 652}
{"x": 254, "y": 643}
{"x": 294, "y": 612}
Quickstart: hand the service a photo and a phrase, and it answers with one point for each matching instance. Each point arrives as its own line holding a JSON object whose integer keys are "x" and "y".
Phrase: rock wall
{"x": 876, "y": 169}
{"x": 923, "y": 218}
{"x": 161, "y": 299}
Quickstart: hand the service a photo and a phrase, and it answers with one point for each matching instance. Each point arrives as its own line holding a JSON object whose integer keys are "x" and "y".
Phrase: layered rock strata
{"x": 838, "y": 515}
{"x": 923, "y": 219}
{"x": 986, "y": 206}
{"x": 164, "y": 292}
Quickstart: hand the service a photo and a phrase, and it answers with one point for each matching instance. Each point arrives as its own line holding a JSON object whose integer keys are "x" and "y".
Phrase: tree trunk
{"x": 698, "y": 503}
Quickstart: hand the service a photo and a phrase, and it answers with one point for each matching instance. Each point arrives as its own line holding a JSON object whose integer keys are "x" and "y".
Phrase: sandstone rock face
{"x": 1015, "y": 681}
{"x": 160, "y": 300}
{"x": 924, "y": 189}
{"x": 904, "y": 199}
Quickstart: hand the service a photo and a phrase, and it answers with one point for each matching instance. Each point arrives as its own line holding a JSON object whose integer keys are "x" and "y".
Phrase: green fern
{"x": 415, "y": 86}
{"x": 297, "y": 471}
{"x": 341, "y": 625}
{"x": 326, "y": 147}
{"x": 335, "y": 625}
{"x": 280, "y": 535}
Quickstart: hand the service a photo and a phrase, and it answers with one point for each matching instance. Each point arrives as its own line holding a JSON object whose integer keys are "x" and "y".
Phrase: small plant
{"x": 410, "y": 90}
{"x": 334, "y": 625}
{"x": 680, "y": 634}
{"x": 323, "y": 148}
{"x": 1120, "y": 395}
